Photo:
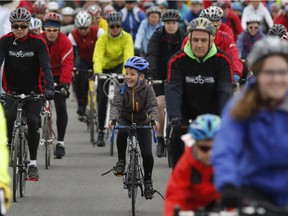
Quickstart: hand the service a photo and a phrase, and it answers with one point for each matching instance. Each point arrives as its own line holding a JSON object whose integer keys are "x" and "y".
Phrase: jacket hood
{"x": 188, "y": 51}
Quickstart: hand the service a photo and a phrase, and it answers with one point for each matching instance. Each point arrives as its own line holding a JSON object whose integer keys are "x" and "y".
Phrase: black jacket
{"x": 161, "y": 48}
{"x": 24, "y": 60}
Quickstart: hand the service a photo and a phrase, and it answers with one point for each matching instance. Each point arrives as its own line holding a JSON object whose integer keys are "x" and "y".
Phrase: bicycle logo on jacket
{"x": 199, "y": 79}
{"x": 21, "y": 54}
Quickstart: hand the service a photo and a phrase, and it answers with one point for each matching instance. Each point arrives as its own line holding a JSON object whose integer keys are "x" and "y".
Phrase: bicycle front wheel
{"x": 15, "y": 162}
{"x": 23, "y": 160}
{"x": 134, "y": 185}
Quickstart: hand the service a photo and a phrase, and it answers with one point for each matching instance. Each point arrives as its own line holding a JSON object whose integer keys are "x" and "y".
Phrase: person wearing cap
{"x": 199, "y": 80}
{"x": 146, "y": 29}
{"x": 132, "y": 16}
{"x": 282, "y": 17}
{"x": 83, "y": 39}
{"x": 164, "y": 43}
{"x": 112, "y": 49}
{"x": 61, "y": 55}
{"x": 67, "y": 24}
{"x": 30, "y": 73}
{"x": 190, "y": 185}
{"x": 250, "y": 149}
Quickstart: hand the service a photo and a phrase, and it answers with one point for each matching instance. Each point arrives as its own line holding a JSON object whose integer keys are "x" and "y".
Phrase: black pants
{"x": 61, "y": 113}
{"x": 102, "y": 98}
{"x": 32, "y": 110}
{"x": 145, "y": 144}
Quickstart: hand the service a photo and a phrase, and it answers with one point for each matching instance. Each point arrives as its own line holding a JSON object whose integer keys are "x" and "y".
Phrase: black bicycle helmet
{"x": 201, "y": 24}
{"x": 114, "y": 18}
{"x": 171, "y": 15}
{"x": 212, "y": 13}
{"x": 268, "y": 46}
{"x": 277, "y": 30}
{"x": 20, "y": 15}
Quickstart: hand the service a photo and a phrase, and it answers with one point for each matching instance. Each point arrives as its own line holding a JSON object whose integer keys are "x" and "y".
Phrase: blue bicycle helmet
{"x": 138, "y": 63}
{"x": 204, "y": 127}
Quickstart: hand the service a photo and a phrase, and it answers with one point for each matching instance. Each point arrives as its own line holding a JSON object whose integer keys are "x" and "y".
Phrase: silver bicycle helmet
{"x": 201, "y": 24}
{"x": 35, "y": 23}
{"x": 253, "y": 19}
{"x": 83, "y": 19}
{"x": 114, "y": 18}
{"x": 153, "y": 9}
{"x": 20, "y": 15}
{"x": 212, "y": 13}
{"x": 277, "y": 30}
{"x": 171, "y": 15}
{"x": 268, "y": 46}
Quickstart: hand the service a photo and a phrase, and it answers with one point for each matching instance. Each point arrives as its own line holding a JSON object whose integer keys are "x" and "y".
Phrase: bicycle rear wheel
{"x": 15, "y": 162}
{"x": 134, "y": 185}
{"x": 46, "y": 137}
{"x": 23, "y": 160}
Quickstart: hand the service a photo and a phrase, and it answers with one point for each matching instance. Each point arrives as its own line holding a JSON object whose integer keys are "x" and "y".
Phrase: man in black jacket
{"x": 25, "y": 54}
{"x": 199, "y": 80}
{"x": 164, "y": 43}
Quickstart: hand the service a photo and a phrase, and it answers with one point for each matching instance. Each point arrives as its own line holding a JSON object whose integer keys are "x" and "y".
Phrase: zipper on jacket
{"x": 133, "y": 107}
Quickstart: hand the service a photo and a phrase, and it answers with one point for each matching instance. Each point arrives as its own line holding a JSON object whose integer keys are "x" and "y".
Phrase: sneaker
{"x": 119, "y": 168}
{"x": 160, "y": 147}
{"x": 148, "y": 190}
{"x": 100, "y": 141}
{"x": 60, "y": 151}
{"x": 33, "y": 174}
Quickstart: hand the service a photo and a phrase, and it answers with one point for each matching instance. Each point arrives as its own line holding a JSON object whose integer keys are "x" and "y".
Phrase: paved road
{"x": 74, "y": 186}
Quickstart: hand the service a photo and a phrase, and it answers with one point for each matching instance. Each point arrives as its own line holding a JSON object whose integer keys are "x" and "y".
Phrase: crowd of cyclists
{"x": 199, "y": 50}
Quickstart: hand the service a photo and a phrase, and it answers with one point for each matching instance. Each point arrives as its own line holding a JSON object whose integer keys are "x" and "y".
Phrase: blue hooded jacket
{"x": 254, "y": 152}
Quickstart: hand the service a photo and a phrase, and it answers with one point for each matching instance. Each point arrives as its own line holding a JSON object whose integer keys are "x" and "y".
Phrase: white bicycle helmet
{"x": 253, "y": 19}
{"x": 83, "y": 19}
{"x": 94, "y": 10}
{"x": 107, "y": 9}
{"x": 35, "y": 23}
{"x": 67, "y": 11}
{"x": 212, "y": 13}
{"x": 20, "y": 15}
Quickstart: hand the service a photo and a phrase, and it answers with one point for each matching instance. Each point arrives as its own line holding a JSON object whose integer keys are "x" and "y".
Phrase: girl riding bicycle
{"x": 135, "y": 102}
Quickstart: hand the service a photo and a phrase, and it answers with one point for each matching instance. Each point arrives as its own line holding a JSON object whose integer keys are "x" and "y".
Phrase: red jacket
{"x": 226, "y": 43}
{"x": 61, "y": 58}
{"x": 234, "y": 22}
{"x": 85, "y": 45}
{"x": 281, "y": 19}
{"x": 190, "y": 185}
{"x": 227, "y": 29}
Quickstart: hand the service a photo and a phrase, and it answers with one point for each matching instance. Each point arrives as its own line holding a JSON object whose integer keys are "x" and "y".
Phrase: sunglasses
{"x": 114, "y": 26}
{"x": 16, "y": 26}
{"x": 253, "y": 27}
{"x": 83, "y": 28}
{"x": 51, "y": 29}
{"x": 204, "y": 148}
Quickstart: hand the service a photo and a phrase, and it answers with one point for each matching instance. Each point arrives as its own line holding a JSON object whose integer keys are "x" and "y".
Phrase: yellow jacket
{"x": 4, "y": 155}
{"x": 103, "y": 24}
{"x": 111, "y": 51}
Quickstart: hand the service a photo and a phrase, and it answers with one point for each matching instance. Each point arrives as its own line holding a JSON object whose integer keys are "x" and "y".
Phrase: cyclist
{"x": 111, "y": 50}
{"x": 164, "y": 43}
{"x": 199, "y": 80}
{"x": 61, "y": 55}
{"x": 4, "y": 155}
{"x": 35, "y": 26}
{"x": 83, "y": 39}
{"x": 190, "y": 185}
{"x": 135, "y": 102}
{"x": 250, "y": 150}
{"x": 40, "y": 9}
{"x": 95, "y": 11}
{"x": 25, "y": 54}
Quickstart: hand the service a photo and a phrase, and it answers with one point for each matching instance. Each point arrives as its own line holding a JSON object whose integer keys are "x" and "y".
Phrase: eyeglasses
{"x": 253, "y": 27}
{"x": 83, "y": 28}
{"x": 51, "y": 29}
{"x": 95, "y": 18}
{"x": 204, "y": 148}
{"x": 16, "y": 26}
{"x": 114, "y": 26}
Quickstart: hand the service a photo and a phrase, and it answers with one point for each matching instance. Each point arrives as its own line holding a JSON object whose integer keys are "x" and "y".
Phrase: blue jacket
{"x": 131, "y": 20}
{"x": 144, "y": 33}
{"x": 254, "y": 152}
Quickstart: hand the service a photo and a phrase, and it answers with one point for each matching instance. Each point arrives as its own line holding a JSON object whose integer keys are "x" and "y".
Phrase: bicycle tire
{"x": 23, "y": 160}
{"x": 46, "y": 137}
{"x": 15, "y": 163}
{"x": 134, "y": 185}
{"x": 169, "y": 151}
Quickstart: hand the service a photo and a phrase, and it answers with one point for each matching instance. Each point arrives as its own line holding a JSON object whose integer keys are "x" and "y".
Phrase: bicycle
{"x": 48, "y": 136}
{"x": 91, "y": 110}
{"x": 112, "y": 80}
{"x": 134, "y": 177}
{"x": 18, "y": 150}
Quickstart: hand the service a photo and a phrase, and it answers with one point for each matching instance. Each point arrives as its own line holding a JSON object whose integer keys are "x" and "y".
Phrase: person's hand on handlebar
{"x": 230, "y": 196}
{"x": 156, "y": 124}
{"x": 112, "y": 123}
{"x": 65, "y": 90}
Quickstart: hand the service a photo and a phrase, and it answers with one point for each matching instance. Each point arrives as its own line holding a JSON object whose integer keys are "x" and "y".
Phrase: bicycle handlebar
{"x": 112, "y": 75}
{"x": 23, "y": 97}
